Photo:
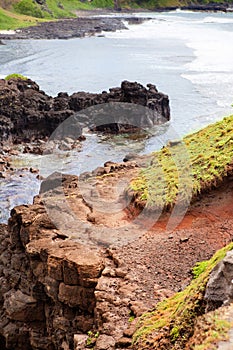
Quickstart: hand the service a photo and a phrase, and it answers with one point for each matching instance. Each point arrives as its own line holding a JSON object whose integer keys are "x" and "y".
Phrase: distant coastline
{"x": 92, "y": 22}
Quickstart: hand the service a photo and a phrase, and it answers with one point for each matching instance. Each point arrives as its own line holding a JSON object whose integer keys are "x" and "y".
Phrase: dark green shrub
{"x": 29, "y": 8}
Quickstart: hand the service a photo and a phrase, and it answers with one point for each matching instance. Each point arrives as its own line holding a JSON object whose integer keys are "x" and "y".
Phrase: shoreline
{"x": 79, "y": 27}
{"x": 93, "y": 22}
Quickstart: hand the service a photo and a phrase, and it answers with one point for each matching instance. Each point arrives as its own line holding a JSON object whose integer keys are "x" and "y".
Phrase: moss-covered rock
{"x": 210, "y": 329}
{"x": 171, "y": 324}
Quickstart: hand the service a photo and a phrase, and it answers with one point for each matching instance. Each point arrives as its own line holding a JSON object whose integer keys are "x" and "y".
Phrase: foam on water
{"x": 213, "y": 19}
{"x": 209, "y": 37}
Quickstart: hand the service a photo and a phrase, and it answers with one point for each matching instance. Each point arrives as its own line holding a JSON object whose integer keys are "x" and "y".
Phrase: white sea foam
{"x": 213, "y": 52}
{"x": 218, "y": 20}
{"x": 210, "y": 68}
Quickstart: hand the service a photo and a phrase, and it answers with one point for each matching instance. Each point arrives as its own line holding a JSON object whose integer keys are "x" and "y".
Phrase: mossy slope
{"x": 183, "y": 170}
{"x": 10, "y": 20}
{"x": 171, "y": 324}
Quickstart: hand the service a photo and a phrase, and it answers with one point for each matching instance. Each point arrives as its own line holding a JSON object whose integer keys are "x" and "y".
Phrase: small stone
{"x": 184, "y": 239}
{"x": 80, "y": 341}
{"x": 105, "y": 342}
{"x": 34, "y": 170}
{"x": 109, "y": 272}
{"x": 124, "y": 342}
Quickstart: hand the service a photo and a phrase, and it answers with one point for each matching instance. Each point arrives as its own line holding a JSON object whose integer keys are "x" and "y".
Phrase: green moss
{"x": 61, "y": 9}
{"x": 209, "y": 330}
{"x": 199, "y": 268}
{"x": 183, "y": 170}
{"x": 15, "y": 76}
{"x": 173, "y": 319}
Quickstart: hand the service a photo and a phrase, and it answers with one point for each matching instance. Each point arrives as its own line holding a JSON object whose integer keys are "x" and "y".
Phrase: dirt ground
{"x": 158, "y": 260}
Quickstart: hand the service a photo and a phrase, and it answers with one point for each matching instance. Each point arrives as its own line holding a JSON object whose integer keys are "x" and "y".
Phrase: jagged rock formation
{"x": 55, "y": 289}
{"x": 28, "y": 114}
{"x": 219, "y": 289}
{"x": 47, "y": 285}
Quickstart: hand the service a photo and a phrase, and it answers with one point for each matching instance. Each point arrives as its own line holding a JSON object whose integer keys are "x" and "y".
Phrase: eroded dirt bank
{"x": 86, "y": 264}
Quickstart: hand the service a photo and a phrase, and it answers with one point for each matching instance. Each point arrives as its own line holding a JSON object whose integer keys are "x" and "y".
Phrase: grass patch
{"x": 171, "y": 324}
{"x": 26, "y": 13}
{"x": 182, "y": 170}
{"x": 15, "y": 76}
{"x": 10, "y": 20}
{"x": 153, "y": 4}
{"x": 29, "y": 8}
{"x": 58, "y": 8}
{"x": 103, "y": 3}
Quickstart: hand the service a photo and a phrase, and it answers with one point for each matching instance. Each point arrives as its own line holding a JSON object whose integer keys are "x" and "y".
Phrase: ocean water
{"x": 187, "y": 55}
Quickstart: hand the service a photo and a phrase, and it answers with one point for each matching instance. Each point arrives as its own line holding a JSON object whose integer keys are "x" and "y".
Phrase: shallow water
{"x": 187, "y": 55}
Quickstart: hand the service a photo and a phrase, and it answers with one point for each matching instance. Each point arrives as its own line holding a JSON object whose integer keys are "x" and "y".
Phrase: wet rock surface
{"x": 28, "y": 115}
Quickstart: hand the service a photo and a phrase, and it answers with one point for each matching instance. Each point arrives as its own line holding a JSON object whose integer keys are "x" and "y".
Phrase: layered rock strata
{"x": 56, "y": 287}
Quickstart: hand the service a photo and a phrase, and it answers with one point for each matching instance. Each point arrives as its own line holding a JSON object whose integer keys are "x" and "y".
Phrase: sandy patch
{"x": 5, "y": 32}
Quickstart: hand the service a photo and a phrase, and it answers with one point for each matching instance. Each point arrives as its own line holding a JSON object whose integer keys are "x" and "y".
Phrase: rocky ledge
{"x": 27, "y": 114}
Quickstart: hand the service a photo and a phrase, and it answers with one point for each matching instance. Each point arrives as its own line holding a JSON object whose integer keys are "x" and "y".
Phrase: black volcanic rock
{"x": 28, "y": 114}
{"x": 67, "y": 28}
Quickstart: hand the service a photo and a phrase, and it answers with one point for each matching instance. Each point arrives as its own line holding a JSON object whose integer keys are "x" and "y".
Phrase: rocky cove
{"x": 82, "y": 263}
{"x": 28, "y": 117}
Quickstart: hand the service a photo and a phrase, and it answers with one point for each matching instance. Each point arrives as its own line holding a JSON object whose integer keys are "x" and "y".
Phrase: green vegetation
{"x": 91, "y": 340}
{"x": 109, "y": 4}
{"x": 152, "y": 4}
{"x": 15, "y": 76}
{"x": 199, "y": 268}
{"x": 23, "y": 13}
{"x": 171, "y": 324}
{"x": 183, "y": 170}
{"x": 209, "y": 330}
{"x": 29, "y": 8}
{"x": 11, "y": 10}
{"x": 51, "y": 8}
{"x": 10, "y": 20}
{"x": 131, "y": 318}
